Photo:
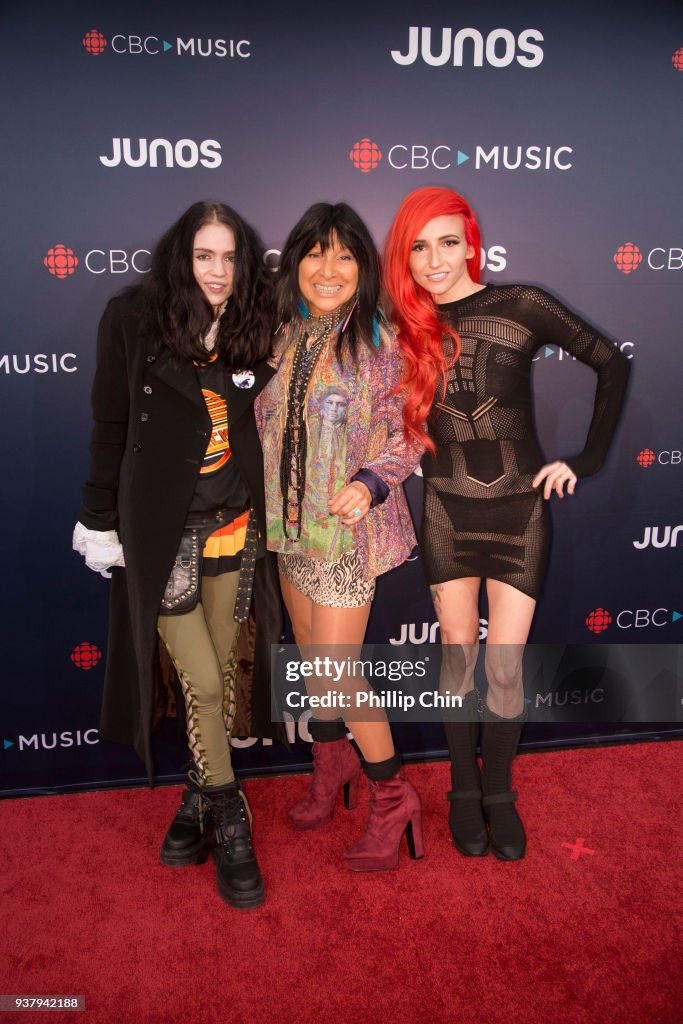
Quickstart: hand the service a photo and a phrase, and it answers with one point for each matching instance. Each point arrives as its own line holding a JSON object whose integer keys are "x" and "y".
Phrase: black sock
{"x": 380, "y": 770}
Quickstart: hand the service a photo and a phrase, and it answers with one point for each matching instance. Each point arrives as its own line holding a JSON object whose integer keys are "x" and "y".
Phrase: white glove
{"x": 100, "y": 548}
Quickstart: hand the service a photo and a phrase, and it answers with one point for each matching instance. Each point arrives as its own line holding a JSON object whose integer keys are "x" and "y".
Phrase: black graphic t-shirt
{"x": 219, "y": 484}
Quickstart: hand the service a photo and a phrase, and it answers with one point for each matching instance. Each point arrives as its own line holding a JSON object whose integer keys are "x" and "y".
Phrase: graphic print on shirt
{"x": 218, "y": 448}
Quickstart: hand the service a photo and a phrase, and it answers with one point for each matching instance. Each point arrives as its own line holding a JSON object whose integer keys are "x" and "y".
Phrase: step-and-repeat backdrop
{"x": 562, "y": 127}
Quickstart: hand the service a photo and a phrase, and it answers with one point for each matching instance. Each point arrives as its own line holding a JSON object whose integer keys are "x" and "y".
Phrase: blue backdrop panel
{"x": 564, "y": 132}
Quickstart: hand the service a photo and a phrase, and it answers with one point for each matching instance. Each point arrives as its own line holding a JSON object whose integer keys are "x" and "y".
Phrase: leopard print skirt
{"x": 339, "y": 584}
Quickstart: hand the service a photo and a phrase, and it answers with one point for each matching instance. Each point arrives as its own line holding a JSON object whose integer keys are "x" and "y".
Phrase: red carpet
{"x": 87, "y": 909}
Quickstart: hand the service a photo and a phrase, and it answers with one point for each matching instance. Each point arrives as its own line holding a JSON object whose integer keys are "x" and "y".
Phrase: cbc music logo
{"x": 548, "y": 351}
{"x": 366, "y": 155}
{"x": 163, "y": 153}
{"x": 629, "y": 257}
{"x": 61, "y": 261}
{"x": 648, "y": 457}
{"x": 86, "y": 656}
{"x": 468, "y": 46}
{"x": 49, "y": 741}
{"x": 599, "y": 620}
{"x": 677, "y": 59}
{"x": 95, "y": 43}
{"x": 39, "y": 362}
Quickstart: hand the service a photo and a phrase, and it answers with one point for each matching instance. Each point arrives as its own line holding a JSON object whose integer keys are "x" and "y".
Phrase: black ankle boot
{"x": 238, "y": 878}
{"x": 184, "y": 843}
{"x": 466, "y": 818}
{"x": 499, "y": 739}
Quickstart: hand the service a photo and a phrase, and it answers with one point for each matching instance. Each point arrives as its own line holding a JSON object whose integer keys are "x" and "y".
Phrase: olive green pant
{"x": 202, "y": 645}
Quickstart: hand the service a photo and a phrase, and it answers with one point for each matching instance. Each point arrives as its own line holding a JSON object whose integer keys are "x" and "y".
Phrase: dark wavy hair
{"x": 180, "y": 314}
{"x": 320, "y": 225}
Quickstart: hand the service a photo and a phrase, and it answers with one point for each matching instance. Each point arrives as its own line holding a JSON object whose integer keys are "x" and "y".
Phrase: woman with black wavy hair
{"x": 335, "y": 457}
{"x": 174, "y": 505}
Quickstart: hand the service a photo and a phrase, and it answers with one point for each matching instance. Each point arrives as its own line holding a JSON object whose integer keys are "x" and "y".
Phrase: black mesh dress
{"x": 482, "y": 517}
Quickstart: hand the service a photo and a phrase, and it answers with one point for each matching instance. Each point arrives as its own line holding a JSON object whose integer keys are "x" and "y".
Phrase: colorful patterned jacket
{"x": 375, "y": 441}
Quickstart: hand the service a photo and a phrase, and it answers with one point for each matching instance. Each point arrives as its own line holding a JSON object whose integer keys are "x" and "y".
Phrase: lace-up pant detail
{"x": 202, "y": 644}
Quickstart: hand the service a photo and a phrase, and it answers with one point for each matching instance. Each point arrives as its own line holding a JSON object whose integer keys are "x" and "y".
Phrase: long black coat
{"x": 149, "y": 437}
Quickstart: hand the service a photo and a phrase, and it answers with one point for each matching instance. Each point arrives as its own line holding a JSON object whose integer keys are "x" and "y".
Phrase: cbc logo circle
{"x": 677, "y": 59}
{"x": 645, "y": 458}
{"x": 94, "y": 42}
{"x": 598, "y": 620}
{"x": 61, "y": 261}
{"x": 86, "y": 656}
{"x": 627, "y": 258}
{"x": 365, "y": 156}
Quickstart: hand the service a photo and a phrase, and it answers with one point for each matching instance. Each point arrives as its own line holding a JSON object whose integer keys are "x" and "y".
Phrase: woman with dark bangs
{"x": 335, "y": 457}
{"x": 469, "y": 349}
{"x": 174, "y": 504}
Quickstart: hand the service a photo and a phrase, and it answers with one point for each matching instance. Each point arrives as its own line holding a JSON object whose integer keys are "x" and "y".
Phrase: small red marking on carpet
{"x": 578, "y": 848}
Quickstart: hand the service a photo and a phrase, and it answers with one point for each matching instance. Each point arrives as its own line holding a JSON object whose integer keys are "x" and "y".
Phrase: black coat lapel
{"x": 182, "y": 379}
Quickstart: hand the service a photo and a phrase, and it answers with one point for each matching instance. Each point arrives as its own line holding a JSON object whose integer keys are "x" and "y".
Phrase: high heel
{"x": 395, "y": 811}
{"x": 336, "y": 766}
{"x": 350, "y": 790}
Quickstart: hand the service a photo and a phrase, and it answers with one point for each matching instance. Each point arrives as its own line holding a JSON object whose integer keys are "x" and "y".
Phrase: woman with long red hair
{"x": 468, "y": 349}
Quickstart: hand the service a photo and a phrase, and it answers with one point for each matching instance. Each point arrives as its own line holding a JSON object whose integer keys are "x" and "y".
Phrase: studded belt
{"x": 183, "y": 588}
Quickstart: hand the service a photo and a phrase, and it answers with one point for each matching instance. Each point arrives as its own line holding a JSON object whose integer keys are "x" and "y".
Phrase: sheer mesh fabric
{"x": 482, "y": 516}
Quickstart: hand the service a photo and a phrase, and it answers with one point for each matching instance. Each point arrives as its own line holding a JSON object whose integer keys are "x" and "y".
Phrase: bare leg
{"x": 316, "y": 624}
{"x": 510, "y": 616}
{"x": 457, "y": 608}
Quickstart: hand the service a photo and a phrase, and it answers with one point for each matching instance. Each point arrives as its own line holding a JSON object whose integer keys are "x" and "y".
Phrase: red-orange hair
{"x": 420, "y": 330}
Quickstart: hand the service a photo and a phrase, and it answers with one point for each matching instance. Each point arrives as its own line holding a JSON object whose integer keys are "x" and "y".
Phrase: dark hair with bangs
{"x": 179, "y": 312}
{"x": 320, "y": 224}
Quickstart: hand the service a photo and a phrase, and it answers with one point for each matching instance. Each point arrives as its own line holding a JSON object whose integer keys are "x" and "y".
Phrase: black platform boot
{"x": 499, "y": 739}
{"x": 184, "y": 843}
{"x": 466, "y": 818}
{"x": 238, "y": 878}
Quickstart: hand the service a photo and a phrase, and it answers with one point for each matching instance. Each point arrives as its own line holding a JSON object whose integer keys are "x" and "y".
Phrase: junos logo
{"x": 61, "y": 261}
{"x": 95, "y": 43}
{"x": 629, "y": 257}
{"x": 500, "y": 48}
{"x": 427, "y": 632}
{"x": 599, "y": 620}
{"x": 668, "y": 538}
{"x": 162, "y": 153}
